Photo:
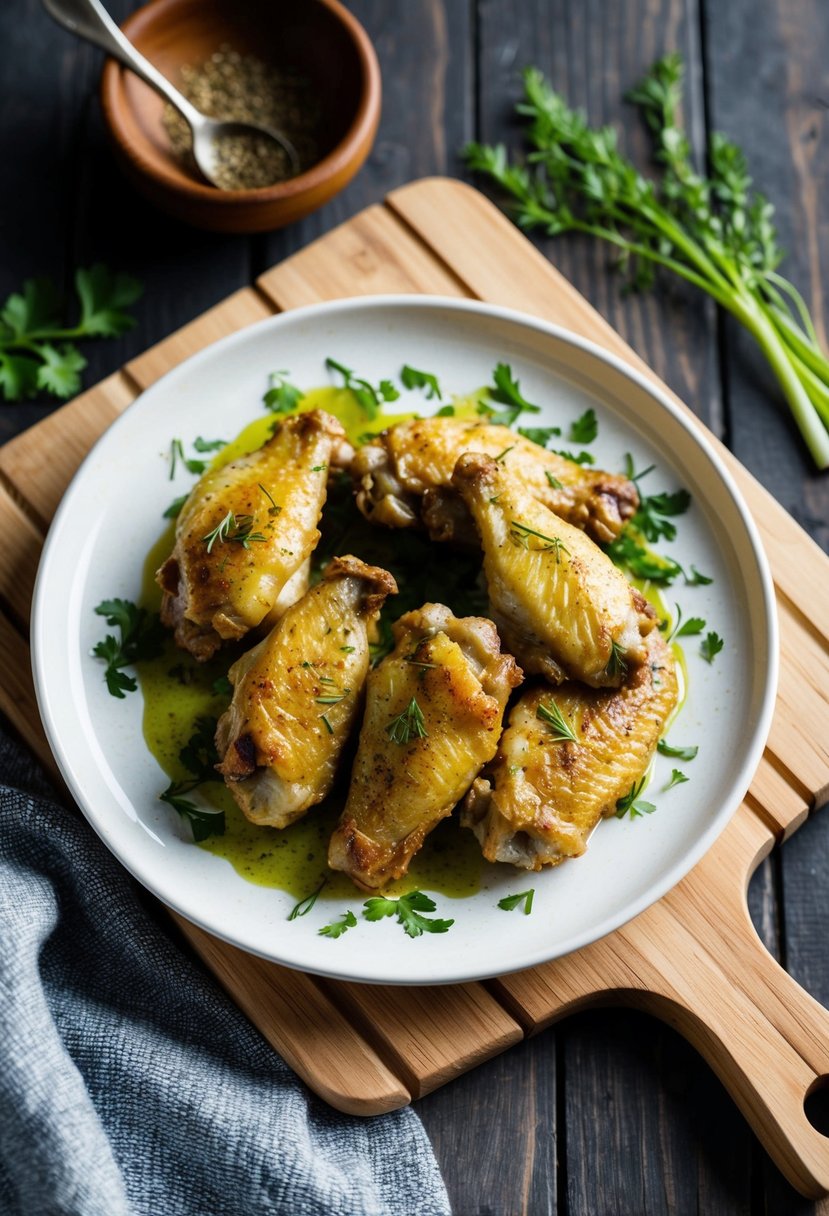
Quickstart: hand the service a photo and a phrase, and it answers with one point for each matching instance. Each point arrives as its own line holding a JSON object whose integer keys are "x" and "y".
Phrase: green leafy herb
{"x": 695, "y": 579}
{"x": 38, "y": 352}
{"x": 370, "y": 396}
{"x": 711, "y": 646}
{"x": 506, "y": 391}
{"x": 238, "y": 528}
{"x": 562, "y": 730}
{"x": 281, "y": 397}
{"x": 652, "y": 514}
{"x": 208, "y": 445}
{"x": 191, "y": 463}
{"x": 520, "y": 534}
{"x": 509, "y": 902}
{"x": 174, "y": 509}
{"x": 632, "y": 804}
{"x": 305, "y": 905}
{"x": 679, "y": 753}
{"x": 408, "y": 909}
{"x": 502, "y": 455}
{"x": 446, "y": 411}
{"x": 585, "y": 428}
{"x": 199, "y": 757}
{"x": 222, "y": 687}
{"x": 616, "y": 665}
{"x": 630, "y": 550}
{"x": 677, "y": 778}
{"x": 407, "y": 725}
{"x": 576, "y": 457}
{"x": 553, "y": 482}
{"x": 411, "y": 377}
{"x": 338, "y": 927}
{"x": 690, "y": 628}
{"x": 539, "y": 434}
{"x": 140, "y": 637}
{"x": 710, "y": 229}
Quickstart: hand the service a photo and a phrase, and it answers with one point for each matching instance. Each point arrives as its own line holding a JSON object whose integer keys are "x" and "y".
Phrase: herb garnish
{"x": 562, "y": 730}
{"x": 520, "y": 535}
{"x": 281, "y": 397}
{"x": 141, "y": 637}
{"x": 370, "y": 396}
{"x": 539, "y": 434}
{"x": 222, "y": 687}
{"x": 305, "y": 905}
{"x": 407, "y": 909}
{"x": 273, "y": 509}
{"x": 37, "y": 352}
{"x": 512, "y": 901}
{"x": 576, "y": 457}
{"x": 680, "y": 753}
{"x": 338, "y": 927}
{"x": 677, "y": 778}
{"x": 412, "y": 377}
{"x": 709, "y": 228}
{"x": 585, "y": 428}
{"x": 711, "y": 646}
{"x": 199, "y": 757}
{"x": 507, "y": 391}
{"x": 238, "y": 528}
{"x": 632, "y": 804}
{"x": 499, "y": 459}
{"x": 616, "y": 665}
{"x": 174, "y": 509}
{"x": 407, "y": 725}
{"x": 690, "y": 628}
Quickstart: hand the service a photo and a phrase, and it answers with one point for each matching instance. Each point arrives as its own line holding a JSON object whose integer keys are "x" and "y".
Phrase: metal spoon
{"x": 90, "y": 20}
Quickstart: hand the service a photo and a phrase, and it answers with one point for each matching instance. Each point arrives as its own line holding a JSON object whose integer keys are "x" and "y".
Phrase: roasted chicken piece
{"x": 415, "y": 460}
{"x": 561, "y": 606}
{"x": 433, "y": 716}
{"x": 244, "y": 536}
{"x": 543, "y": 794}
{"x": 296, "y": 696}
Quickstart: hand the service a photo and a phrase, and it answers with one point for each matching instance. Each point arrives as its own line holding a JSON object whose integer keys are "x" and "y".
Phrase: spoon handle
{"x": 90, "y": 20}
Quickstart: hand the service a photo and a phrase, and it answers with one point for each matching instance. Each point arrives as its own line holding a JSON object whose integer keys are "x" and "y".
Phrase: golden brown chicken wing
{"x": 244, "y": 535}
{"x": 544, "y": 792}
{"x": 296, "y": 696}
{"x": 433, "y": 716}
{"x": 415, "y": 460}
{"x": 561, "y": 606}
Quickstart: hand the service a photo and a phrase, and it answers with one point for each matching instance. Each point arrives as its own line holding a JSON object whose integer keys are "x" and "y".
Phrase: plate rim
{"x": 739, "y": 781}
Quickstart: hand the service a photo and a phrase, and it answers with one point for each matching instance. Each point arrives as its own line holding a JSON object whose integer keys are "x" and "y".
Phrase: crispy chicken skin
{"x": 296, "y": 696}
{"x": 538, "y": 801}
{"x": 414, "y": 461}
{"x": 561, "y": 606}
{"x": 401, "y": 787}
{"x": 275, "y": 495}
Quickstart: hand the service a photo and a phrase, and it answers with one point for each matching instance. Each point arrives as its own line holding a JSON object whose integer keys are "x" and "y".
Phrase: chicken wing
{"x": 297, "y": 693}
{"x": 415, "y": 460}
{"x": 543, "y": 794}
{"x": 434, "y": 708}
{"x": 245, "y": 533}
{"x": 561, "y": 606}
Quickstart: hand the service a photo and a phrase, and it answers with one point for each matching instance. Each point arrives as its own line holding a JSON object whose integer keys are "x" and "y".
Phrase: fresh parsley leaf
{"x": 679, "y": 753}
{"x": 204, "y": 823}
{"x": 104, "y": 297}
{"x": 506, "y": 391}
{"x": 222, "y": 687}
{"x": 512, "y": 901}
{"x": 631, "y": 804}
{"x": 629, "y": 550}
{"x": 407, "y": 725}
{"x": 369, "y": 396}
{"x": 174, "y": 509}
{"x": 59, "y": 373}
{"x": 140, "y": 637}
{"x": 560, "y": 728}
{"x": 695, "y": 579}
{"x": 539, "y": 434}
{"x": 208, "y": 445}
{"x": 338, "y": 927}
{"x": 711, "y": 646}
{"x": 693, "y": 626}
{"x": 281, "y": 397}
{"x": 412, "y": 377}
{"x": 577, "y": 457}
{"x": 652, "y": 515}
{"x": 18, "y": 376}
{"x": 677, "y": 778}
{"x": 446, "y": 411}
{"x": 35, "y": 308}
{"x": 585, "y": 428}
{"x": 305, "y": 905}
{"x": 408, "y": 909}
{"x": 199, "y": 757}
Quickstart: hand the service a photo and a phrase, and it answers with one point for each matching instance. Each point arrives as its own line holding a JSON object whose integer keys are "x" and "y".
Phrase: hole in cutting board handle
{"x": 816, "y": 1105}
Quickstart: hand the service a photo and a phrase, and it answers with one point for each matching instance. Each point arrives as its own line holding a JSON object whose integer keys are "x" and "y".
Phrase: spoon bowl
{"x": 228, "y": 153}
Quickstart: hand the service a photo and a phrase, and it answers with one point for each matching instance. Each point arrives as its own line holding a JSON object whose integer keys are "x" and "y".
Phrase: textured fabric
{"x": 129, "y": 1083}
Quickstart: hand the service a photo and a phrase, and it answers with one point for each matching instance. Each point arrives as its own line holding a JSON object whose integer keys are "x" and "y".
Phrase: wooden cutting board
{"x": 692, "y": 959}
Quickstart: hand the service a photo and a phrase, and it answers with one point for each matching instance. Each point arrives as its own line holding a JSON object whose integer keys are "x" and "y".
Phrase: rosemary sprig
{"x": 407, "y": 725}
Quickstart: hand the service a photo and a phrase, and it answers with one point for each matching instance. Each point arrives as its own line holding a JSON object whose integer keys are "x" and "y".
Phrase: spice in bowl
{"x": 244, "y": 88}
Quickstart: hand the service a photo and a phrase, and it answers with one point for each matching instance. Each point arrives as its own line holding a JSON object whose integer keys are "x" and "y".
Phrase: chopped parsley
{"x": 140, "y": 637}
{"x": 305, "y": 905}
{"x": 338, "y": 927}
{"x": 369, "y": 396}
{"x": 407, "y": 909}
{"x": 412, "y": 377}
{"x": 585, "y": 428}
{"x": 631, "y": 804}
{"x": 711, "y": 646}
{"x": 509, "y": 902}
{"x": 679, "y": 753}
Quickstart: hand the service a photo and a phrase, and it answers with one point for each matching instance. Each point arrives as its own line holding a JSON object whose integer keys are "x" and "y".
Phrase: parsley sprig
{"x": 338, "y": 927}
{"x": 510, "y": 902}
{"x": 408, "y": 909}
{"x": 632, "y": 805}
{"x": 140, "y": 637}
{"x": 370, "y": 396}
{"x": 506, "y": 391}
{"x": 711, "y": 230}
{"x": 413, "y": 377}
{"x": 199, "y": 757}
{"x": 38, "y": 352}
{"x": 679, "y": 753}
{"x": 281, "y": 396}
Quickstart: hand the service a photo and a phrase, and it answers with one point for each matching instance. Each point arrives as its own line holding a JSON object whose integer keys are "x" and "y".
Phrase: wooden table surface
{"x": 611, "y": 1112}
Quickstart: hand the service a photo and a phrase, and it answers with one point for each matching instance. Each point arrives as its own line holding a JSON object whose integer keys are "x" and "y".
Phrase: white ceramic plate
{"x": 110, "y": 517}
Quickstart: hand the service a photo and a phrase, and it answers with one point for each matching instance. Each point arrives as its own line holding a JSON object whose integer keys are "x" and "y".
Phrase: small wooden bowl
{"x": 320, "y": 38}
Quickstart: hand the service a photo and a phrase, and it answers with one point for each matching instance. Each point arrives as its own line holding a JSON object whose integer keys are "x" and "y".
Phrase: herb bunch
{"x": 714, "y": 231}
{"x": 38, "y": 351}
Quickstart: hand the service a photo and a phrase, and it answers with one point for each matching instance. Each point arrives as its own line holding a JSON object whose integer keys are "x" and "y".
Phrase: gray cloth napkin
{"x": 129, "y": 1083}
